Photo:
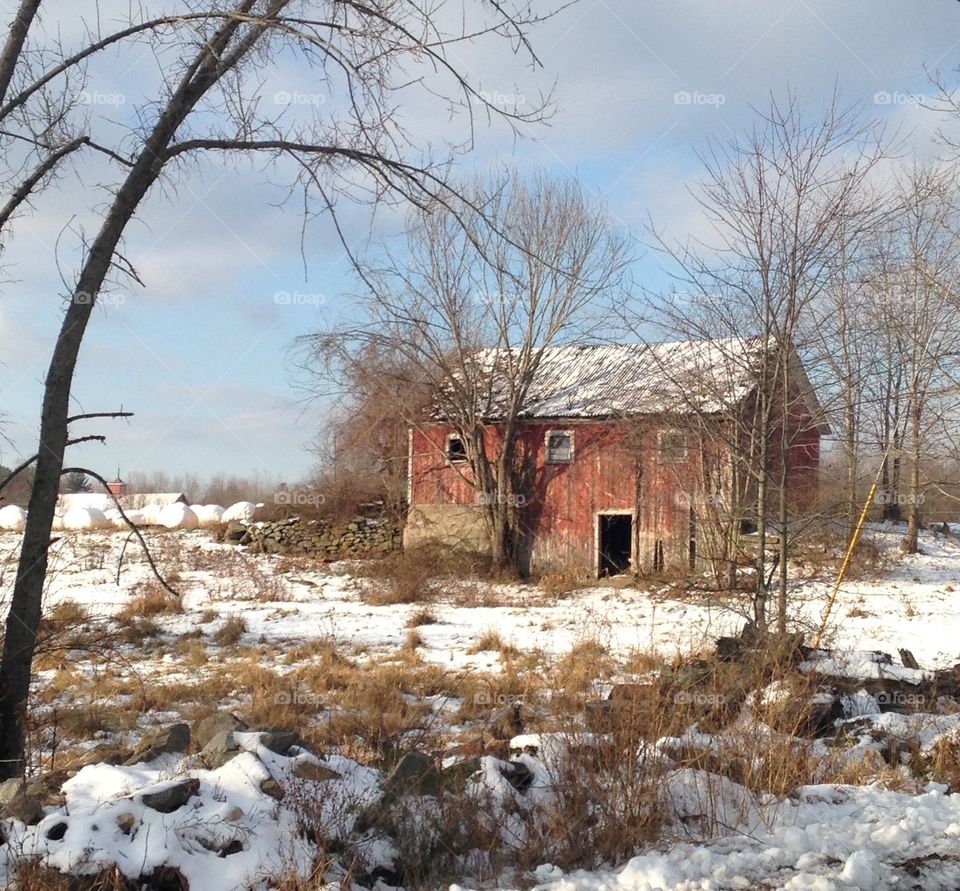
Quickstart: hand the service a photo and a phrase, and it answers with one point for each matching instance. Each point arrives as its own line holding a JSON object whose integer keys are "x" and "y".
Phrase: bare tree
{"x": 470, "y": 310}
{"x": 917, "y": 308}
{"x": 363, "y": 444}
{"x": 786, "y": 203}
{"x": 213, "y": 62}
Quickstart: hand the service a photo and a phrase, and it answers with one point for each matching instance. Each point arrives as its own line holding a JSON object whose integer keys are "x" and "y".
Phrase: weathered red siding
{"x": 562, "y": 501}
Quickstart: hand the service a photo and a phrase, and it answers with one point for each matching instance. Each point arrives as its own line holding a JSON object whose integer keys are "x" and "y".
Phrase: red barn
{"x": 623, "y": 454}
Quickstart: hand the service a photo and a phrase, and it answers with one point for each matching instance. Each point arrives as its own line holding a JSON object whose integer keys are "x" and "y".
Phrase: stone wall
{"x": 360, "y": 537}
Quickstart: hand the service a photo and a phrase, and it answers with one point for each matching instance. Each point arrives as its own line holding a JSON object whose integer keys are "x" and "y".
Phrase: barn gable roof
{"x": 680, "y": 377}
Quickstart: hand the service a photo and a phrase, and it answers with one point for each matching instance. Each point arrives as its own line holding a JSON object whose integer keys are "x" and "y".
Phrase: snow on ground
{"x": 824, "y": 837}
{"x": 912, "y": 606}
{"x": 832, "y": 838}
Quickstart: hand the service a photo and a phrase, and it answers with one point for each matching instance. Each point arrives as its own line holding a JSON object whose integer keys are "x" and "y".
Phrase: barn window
{"x": 559, "y": 446}
{"x": 456, "y": 449}
{"x": 671, "y": 446}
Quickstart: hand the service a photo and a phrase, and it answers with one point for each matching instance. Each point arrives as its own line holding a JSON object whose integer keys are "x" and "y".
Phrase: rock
{"x": 235, "y": 531}
{"x": 126, "y": 823}
{"x": 272, "y": 788}
{"x": 310, "y": 770}
{"x": 278, "y": 741}
{"x": 104, "y": 753}
{"x": 46, "y": 786}
{"x": 165, "y": 878}
{"x": 517, "y": 774}
{"x": 234, "y": 814}
{"x": 16, "y": 803}
{"x": 175, "y": 738}
{"x": 207, "y": 728}
{"x": 455, "y": 777}
{"x": 24, "y": 808}
{"x": 235, "y": 846}
{"x": 57, "y": 831}
{"x": 221, "y": 749}
{"x": 415, "y": 774}
{"x": 166, "y": 801}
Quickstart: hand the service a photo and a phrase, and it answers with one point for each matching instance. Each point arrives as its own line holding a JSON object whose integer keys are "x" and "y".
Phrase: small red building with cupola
{"x": 631, "y": 457}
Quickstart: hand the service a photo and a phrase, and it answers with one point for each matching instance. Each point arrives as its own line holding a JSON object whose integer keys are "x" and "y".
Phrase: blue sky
{"x": 200, "y": 353}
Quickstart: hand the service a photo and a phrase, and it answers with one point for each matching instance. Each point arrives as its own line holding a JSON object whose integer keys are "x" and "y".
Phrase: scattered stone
{"x": 206, "y": 729}
{"x": 126, "y": 823}
{"x": 16, "y": 803}
{"x": 456, "y": 776}
{"x": 45, "y": 787}
{"x": 309, "y": 770}
{"x": 415, "y": 774}
{"x": 235, "y": 531}
{"x": 234, "y": 814}
{"x": 166, "y": 801}
{"x": 278, "y": 741}
{"x": 103, "y": 753}
{"x": 57, "y": 831}
{"x": 165, "y": 878}
{"x": 517, "y": 774}
{"x": 175, "y": 738}
{"x": 232, "y": 847}
{"x": 272, "y": 788}
{"x": 219, "y": 750}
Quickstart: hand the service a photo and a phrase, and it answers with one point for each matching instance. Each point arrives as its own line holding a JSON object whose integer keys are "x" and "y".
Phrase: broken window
{"x": 671, "y": 446}
{"x": 456, "y": 449}
{"x": 559, "y": 446}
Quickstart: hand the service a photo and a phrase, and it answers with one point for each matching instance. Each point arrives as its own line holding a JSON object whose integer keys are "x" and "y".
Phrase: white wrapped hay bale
{"x": 134, "y": 516}
{"x": 208, "y": 514}
{"x": 177, "y": 516}
{"x": 242, "y": 511}
{"x": 150, "y": 514}
{"x": 85, "y": 518}
{"x": 13, "y": 518}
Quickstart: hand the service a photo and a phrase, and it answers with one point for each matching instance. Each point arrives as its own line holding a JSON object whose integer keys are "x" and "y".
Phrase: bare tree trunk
{"x": 24, "y": 616}
{"x": 783, "y": 518}
{"x": 912, "y": 543}
{"x": 760, "y": 593}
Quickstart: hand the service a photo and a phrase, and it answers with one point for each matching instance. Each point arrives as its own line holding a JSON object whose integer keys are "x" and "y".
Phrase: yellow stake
{"x": 846, "y": 557}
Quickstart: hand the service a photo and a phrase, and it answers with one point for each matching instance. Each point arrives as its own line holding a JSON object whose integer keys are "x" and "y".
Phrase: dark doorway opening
{"x": 615, "y": 541}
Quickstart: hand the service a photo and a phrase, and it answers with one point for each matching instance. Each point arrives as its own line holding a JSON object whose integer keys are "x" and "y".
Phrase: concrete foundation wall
{"x": 454, "y": 525}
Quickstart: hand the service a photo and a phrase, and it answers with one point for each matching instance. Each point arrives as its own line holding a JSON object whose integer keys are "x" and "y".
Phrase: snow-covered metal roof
{"x": 587, "y": 381}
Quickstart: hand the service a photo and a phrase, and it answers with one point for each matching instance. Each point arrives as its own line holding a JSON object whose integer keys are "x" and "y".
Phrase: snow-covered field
{"x": 912, "y": 605}
{"x": 826, "y": 836}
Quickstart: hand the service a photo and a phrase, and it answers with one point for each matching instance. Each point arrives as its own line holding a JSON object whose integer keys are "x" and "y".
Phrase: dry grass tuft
{"x": 230, "y": 632}
{"x": 491, "y": 641}
{"x": 421, "y": 617}
{"x": 564, "y": 582}
{"x": 151, "y": 600}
